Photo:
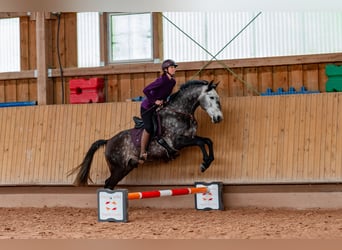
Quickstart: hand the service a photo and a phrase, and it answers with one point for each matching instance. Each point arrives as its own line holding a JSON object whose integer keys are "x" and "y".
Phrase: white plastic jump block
{"x": 212, "y": 199}
{"x": 113, "y": 204}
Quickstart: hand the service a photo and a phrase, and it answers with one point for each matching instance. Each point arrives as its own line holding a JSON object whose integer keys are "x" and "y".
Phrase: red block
{"x": 87, "y": 90}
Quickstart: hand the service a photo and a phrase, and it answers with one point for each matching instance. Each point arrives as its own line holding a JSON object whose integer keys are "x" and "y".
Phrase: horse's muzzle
{"x": 217, "y": 119}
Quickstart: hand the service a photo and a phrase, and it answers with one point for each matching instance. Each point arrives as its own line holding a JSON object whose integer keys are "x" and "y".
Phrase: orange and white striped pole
{"x": 169, "y": 192}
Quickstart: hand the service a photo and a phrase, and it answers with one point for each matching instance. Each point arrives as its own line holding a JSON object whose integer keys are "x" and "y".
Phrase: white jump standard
{"x": 113, "y": 204}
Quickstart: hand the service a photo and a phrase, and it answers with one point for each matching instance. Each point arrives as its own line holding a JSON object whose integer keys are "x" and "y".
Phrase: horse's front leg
{"x": 201, "y": 142}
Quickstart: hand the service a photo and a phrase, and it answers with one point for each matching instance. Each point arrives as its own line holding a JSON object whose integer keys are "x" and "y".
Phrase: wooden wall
{"x": 22, "y": 86}
{"x": 124, "y": 82}
{"x": 263, "y": 139}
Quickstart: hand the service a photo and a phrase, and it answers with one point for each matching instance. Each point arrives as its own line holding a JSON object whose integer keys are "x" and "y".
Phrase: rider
{"x": 156, "y": 94}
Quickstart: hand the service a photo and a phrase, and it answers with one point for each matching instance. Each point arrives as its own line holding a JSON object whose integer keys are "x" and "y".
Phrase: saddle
{"x": 139, "y": 124}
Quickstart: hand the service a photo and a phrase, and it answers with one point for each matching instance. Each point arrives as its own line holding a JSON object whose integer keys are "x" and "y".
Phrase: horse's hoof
{"x": 203, "y": 168}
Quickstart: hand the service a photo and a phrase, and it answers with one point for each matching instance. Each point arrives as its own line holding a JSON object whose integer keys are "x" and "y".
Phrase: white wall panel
{"x": 9, "y": 45}
{"x": 271, "y": 34}
{"x": 88, "y": 39}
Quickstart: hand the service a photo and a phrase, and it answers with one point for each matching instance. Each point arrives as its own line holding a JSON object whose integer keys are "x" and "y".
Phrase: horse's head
{"x": 209, "y": 100}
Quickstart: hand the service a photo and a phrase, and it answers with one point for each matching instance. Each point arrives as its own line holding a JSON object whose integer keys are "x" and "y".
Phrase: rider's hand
{"x": 159, "y": 102}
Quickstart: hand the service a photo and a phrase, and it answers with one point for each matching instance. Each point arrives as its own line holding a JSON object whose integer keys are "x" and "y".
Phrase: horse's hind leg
{"x": 117, "y": 173}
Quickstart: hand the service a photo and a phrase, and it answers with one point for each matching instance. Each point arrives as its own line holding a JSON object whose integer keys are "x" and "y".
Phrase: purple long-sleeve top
{"x": 160, "y": 89}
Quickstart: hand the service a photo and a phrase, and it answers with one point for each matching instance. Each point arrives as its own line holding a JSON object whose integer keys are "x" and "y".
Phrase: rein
{"x": 182, "y": 113}
{"x": 191, "y": 117}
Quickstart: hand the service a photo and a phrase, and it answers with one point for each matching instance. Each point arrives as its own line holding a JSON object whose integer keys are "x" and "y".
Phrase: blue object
{"x": 17, "y": 104}
{"x": 291, "y": 91}
{"x": 138, "y": 99}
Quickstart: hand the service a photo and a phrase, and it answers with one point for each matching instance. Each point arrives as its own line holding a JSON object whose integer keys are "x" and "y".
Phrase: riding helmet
{"x": 167, "y": 63}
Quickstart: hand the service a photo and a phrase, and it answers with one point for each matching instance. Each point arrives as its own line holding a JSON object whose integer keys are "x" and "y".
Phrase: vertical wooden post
{"x": 103, "y": 39}
{"x": 157, "y": 35}
{"x": 42, "y": 64}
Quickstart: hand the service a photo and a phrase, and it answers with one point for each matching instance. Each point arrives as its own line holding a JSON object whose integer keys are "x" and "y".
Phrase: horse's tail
{"x": 84, "y": 168}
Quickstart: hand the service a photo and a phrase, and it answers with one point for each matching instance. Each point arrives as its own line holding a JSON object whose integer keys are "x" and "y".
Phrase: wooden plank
{"x": 42, "y": 63}
{"x": 265, "y": 78}
{"x": 221, "y": 77}
{"x": 21, "y": 144}
{"x": 235, "y": 85}
{"x": 32, "y": 45}
{"x": 334, "y": 152}
{"x": 125, "y": 87}
{"x": 42, "y": 164}
{"x": 338, "y": 168}
{"x": 194, "y": 66}
{"x": 5, "y": 141}
{"x": 24, "y": 45}
{"x": 311, "y": 80}
{"x": 70, "y": 39}
{"x": 10, "y": 91}
{"x": 24, "y": 74}
{"x": 289, "y": 137}
{"x": 32, "y": 86}
{"x": 239, "y": 143}
{"x": 296, "y": 76}
{"x": 251, "y": 81}
{"x": 253, "y": 158}
{"x": 180, "y": 78}
{"x": 274, "y": 133}
{"x": 320, "y": 112}
{"x": 328, "y": 137}
{"x": 322, "y": 77}
{"x": 22, "y": 90}
{"x": 308, "y": 131}
{"x": 10, "y": 145}
{"x": 2, "y": 91}
{"x": 207, "y": 75}
{"x": 280, "y": 78}
{"x": 2, "y": 141}
{"x": 157, "y": 20}
{"x": 191, "y": 74}
{"x": 138, "y": 84}
{"x": 51, "y": 143}
{"x": 112, "y": 89}
{"x": 19, "y": 149}
{"x": 260, "y": 138}
{"x": 12, "y": 14}
{"x": 280, "y": 151}
{"x": 103, "y": 38}
{"x": 323, "y": 138}
{"x": 301, "y": 138}
{"x": 30, "y": 142}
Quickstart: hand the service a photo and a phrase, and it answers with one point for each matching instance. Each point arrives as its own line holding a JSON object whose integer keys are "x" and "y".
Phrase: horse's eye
{"x": 212, "y": 98}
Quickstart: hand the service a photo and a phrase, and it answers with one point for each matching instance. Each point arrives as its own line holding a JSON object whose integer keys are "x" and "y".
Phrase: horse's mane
{"x": 187, "y": 85}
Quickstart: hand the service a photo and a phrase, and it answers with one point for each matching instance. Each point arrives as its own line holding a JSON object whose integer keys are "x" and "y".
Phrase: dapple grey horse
{"x": 177, "y": 130}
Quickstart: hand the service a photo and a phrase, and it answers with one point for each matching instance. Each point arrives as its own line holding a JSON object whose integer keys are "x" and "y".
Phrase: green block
{"x": 334, "y": 82}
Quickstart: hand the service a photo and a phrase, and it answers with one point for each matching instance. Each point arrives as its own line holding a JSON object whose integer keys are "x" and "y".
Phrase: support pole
{"x": 42, "y": 60}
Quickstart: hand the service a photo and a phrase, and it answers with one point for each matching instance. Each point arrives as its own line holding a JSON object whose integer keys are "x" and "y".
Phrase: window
{"x": 9, "y": 45}
{"x": 130, "y": 37}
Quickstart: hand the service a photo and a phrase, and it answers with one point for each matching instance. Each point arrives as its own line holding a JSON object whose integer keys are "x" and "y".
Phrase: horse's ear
{"x": 212, "y": 85}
